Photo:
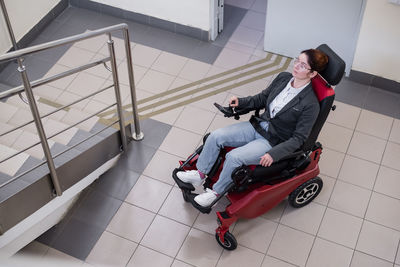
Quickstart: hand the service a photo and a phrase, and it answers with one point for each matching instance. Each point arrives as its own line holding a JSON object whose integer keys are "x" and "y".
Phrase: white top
{"x": 284, "y": 97}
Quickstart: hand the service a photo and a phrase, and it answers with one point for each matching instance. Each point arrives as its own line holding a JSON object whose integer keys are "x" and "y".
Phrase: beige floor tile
{"x": 100, "y": 70}
{"x": 358, "y": 172}
{"x": 169, "y": 117}
{"x": 67, "y": 98}
{"x": 177, "y": 209}
{"x": 335, "y": 137}
{"x": 111, "y": 250}
{"x": 180, "y": 142}
{"x": 340, "y": 228}
{"x": 194, "y": 70}
{"x": 367, "y": 147}
{"x": 326, "y": 192}
{"x": 330, "y": 162}
{"x": 378, "y": 241}
{"x": 398, "y": 256}
{"x": 61, "y": 83}
{"x": 21, "y": 117}
{"x": 327, "y": 254}
{"x": 291, "y": 245}
{"x": 11, "y": 137}
{"x": 241, "y": 256}
{"x": 363, "y": 260}
{"x": 93, "y": 44}
{"x": 85, "y": 84}
{"x": 391, "y": 156}
{"x": 75, "y": 57}
{"x": 169, "y": 63}
{"x": 57, "y": 258}
{"x": 255, "y": 233}
{"x": 144, "y": 55}
{"x": 156, "y": 82}
{"x": 7, "y": 111}
{"x": 130, "y": 222}
{"x": 178, "y": 263}
{"x": 384, "y": 210}
{"x": 30, "y": 255}
{"x": 208, "y": 222}
{"x": 165, "y": 236}
{"x": 161, "y": 167}
{"x": 147, "y": 257}
{"x": 388, "y": 182}
{"x": 123, "y": 77}
{"x": 25, "y": 140}
{"x": 200, "y": 249}
{"x": 48, "y": 92}
{"x": 208, "y": 103}
{"x": 195, "y": 120}
{"x": 306, "y": 219}
{"x": 270, "y": 261}
{"x": 148, "y": 193}
{"x": 350, "y": 199}
{"x": 74, "y": 116}
{"x": 395, "y": 132}
{"x": 12, "y": 165}
{"x": 374, "y": 124}
{"x": 94, "y": 106}
{"x": 53, "y": 127}
{"x": 344, "y": 115}
{"x": 251, "y": 88}
{"x": 229, "y": 58}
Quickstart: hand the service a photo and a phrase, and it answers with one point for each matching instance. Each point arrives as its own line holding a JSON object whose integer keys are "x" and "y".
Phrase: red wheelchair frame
{"x": 255, "y": 189}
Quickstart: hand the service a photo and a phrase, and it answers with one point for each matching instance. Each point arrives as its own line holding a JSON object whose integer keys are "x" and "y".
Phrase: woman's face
{"x": 301, "y": 68}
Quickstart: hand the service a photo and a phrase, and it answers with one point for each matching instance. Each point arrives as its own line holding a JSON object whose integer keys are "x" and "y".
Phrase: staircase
{"x": 36, "y": 189}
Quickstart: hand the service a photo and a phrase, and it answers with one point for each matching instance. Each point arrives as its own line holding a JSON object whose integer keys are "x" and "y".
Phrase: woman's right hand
{"x": 234, "y": 101}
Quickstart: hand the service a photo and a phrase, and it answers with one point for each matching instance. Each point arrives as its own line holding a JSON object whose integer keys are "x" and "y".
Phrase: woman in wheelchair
{"x": 291, "y": 109}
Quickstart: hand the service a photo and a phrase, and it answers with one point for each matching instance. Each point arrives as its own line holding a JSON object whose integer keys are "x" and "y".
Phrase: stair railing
{"x": 37, "y": 119}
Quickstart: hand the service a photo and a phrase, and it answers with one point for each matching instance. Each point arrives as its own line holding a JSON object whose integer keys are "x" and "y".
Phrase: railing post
{"x": 137, "y": 135}
{"x": 40, "y": 129}
{"x": 117, "y": 92}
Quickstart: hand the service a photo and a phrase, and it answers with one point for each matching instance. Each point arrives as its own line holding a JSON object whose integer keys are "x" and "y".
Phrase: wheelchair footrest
{"x": 190, "y": 197}
{"x": 182, "y": 185}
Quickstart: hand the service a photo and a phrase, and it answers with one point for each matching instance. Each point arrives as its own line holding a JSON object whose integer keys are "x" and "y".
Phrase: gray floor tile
{"x": 4, "y": 177}
{"x": 206, "y": 52}
{"x": 351, "y": 93}
{"x": 78, "y": 238}
{"x": 383, "y": 102}
{"x": 154, "y": 132}
{"x": 96, "y": 209}
{"x": 116, "y": 182}
{"x": 137, "y": 156}
{"x": 11, "y": 189}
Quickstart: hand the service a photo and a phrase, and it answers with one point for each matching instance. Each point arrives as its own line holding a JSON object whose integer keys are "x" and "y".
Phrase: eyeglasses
{"x": 302, "y": 66}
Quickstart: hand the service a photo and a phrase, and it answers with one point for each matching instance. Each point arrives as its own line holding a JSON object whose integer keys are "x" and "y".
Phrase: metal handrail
{"x": 28, "y": 86}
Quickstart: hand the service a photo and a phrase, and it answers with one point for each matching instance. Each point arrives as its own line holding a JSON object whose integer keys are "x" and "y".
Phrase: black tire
{"x": 230, "y": 241}
{"x": 305, "y": 193}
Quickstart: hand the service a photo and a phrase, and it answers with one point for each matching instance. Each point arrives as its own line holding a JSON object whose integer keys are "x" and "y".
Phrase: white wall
{"x": 378, "y": 47}
{"x": 194, "y": 13}
{"x": 24, "y": 14}
{"x": 292, "y": 26}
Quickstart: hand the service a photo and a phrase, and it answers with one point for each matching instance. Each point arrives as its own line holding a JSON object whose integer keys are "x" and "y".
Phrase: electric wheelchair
{"x": 256, "y": 189}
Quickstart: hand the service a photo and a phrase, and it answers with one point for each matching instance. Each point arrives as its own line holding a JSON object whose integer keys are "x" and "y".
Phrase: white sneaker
{"x": 192, "y": 177}
{"x": 206, "y": 198}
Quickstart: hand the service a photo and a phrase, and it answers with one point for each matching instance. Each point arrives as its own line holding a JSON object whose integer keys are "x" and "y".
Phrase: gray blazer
{"x": 291, "y": 126}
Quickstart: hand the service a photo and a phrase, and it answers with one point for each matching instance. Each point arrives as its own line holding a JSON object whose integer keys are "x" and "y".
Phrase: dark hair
{"x": 316, "y": 59}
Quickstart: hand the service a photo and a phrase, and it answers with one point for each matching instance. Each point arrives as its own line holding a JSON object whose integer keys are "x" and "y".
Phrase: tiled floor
{"x": 135, "y": 216}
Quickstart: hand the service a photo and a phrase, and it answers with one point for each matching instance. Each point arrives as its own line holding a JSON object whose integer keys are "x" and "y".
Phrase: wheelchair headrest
{"x": 334, "y": 71}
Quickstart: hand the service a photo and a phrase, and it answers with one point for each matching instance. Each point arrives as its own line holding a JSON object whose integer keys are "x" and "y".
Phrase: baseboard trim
{"x": 375, "y": 81}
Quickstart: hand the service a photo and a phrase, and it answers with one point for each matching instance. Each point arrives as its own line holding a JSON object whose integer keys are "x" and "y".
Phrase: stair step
{"x": 11, "y": 166}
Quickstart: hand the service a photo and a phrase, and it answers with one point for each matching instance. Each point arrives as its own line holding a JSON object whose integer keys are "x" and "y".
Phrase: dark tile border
{"x": 374, "y": 81}
{"x": 34, "y": 32}
{"x": 144, "y": 19}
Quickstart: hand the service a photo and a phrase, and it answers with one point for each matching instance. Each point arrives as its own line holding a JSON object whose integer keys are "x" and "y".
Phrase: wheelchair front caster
{"x": 229, "y": 243}
{"x": 305, "y": 193}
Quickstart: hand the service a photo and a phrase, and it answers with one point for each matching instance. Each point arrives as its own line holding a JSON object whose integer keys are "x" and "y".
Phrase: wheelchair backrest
{"x": 322, "y": 85}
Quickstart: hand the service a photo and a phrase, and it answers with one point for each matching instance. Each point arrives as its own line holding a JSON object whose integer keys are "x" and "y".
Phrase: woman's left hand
{"x": 266, "y": 160}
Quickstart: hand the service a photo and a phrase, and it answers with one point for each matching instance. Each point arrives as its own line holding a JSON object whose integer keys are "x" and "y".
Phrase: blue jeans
{"x": 250, "y": 147}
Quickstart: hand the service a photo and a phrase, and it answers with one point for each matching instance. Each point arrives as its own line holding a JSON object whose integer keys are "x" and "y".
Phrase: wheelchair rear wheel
{"x": 229, "y": 243}
{"x": 305, "y": 193}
